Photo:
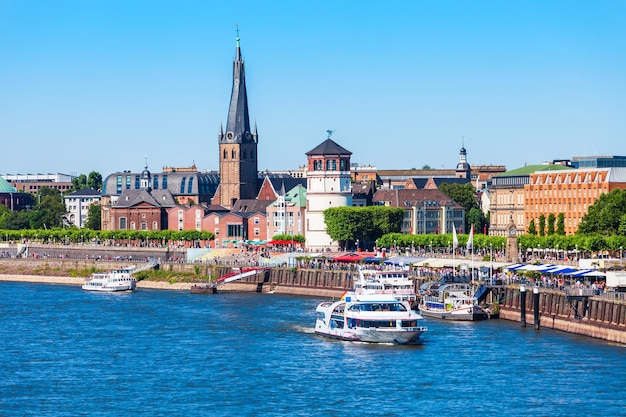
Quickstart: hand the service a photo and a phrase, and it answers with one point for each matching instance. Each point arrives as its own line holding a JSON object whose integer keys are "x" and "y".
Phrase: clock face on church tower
{"x": 512, "y": 232}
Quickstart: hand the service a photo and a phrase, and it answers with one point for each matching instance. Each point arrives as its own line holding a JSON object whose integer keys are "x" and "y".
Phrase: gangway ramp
{"x": 242, "y": 273}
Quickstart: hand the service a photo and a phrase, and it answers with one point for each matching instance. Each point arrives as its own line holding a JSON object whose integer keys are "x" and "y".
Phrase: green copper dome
{"x": 5, "y": 187}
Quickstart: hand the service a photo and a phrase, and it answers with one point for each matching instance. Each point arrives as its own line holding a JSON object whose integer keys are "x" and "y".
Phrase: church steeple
{"x": 238, "y": 123}
{"x": 238, "y": 145}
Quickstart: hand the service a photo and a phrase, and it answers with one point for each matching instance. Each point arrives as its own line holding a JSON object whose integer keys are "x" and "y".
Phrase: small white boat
{"x": 375, "y": 318}
{"x": 116, "y": 280}
{"x": 454, "y": 301}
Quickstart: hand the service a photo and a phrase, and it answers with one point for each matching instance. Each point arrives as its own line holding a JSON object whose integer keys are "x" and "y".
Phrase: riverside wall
{"x": 599, "y": 317}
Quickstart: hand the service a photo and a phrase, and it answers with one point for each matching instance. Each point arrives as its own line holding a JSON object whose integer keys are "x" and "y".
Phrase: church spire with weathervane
{"x": 238, "y": 145}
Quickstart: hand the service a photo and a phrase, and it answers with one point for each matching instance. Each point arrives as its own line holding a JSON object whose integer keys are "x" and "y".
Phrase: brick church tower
{"x": 238, "y": 146}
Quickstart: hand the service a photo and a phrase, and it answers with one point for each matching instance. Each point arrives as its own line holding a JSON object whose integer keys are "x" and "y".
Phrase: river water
{"x": 65, "y": 352}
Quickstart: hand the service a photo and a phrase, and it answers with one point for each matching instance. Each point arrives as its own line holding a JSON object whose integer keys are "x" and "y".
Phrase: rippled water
{"x": 154, "y": 353}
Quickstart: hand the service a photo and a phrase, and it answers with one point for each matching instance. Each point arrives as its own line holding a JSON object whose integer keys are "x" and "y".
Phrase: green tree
{"x": 94, "y": 181}
{"x": 347, "y": 224}
{"x": 532, "y": 229}
{"x": 465, "y": 195}
{"x": 426, "y": 167}
{"x": 49, "y": 210}
{"x": 477, "y": 218}
{"x": 94, "y": 217}
{"x": 560, "y": 224}
{"x": 78, "y": 183}
{"x": 542, "y": 225}
{"x": 605, "y": 215}
{"x": 551, "y": 221}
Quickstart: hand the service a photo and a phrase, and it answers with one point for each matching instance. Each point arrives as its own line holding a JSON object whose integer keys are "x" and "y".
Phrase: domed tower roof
{"x": 463, "y": 169}
{"x": 5, "y": 187}
{"x": 145, "y": 180}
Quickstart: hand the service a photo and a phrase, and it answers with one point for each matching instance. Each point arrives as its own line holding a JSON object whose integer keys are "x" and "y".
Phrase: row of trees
{"x": 85, "y": 236}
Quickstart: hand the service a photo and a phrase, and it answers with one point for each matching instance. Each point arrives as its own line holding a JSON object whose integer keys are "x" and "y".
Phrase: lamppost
{"x": 539, "y": 251}
{"x": 357, "y": 245}
{"x": 576, "y": 253}
{"x": 491, "y": 261}
{"x": 557, "y": 251}
{"x": 431, "y": 248}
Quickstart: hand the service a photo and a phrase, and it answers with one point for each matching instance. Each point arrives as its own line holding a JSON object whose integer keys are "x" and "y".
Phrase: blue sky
{"x": 98, "y": 85}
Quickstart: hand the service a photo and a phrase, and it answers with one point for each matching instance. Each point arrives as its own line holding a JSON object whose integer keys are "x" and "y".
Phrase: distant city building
{"x": 77, "y": 205}
{"x": 599, "y": 161}
{"x": 328, "y": 185}
{"x": 31, "y": 183}
{"x": 12, "y": 198}
{"x": 187, "y": 185}
{"x": 144, "y": 208}
{"x": 425, "y": 211}
{"x": 570, "y": 192}
{"x": 507, "y": 198}
{"x": 286, "y": 215}
{"x": 479, "y": 175}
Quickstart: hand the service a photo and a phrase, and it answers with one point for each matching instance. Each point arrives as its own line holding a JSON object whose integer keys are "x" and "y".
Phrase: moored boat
{"x": 452, "y": 301}
{"x": 375, "y": 318}
{"x": 111, "y": 281}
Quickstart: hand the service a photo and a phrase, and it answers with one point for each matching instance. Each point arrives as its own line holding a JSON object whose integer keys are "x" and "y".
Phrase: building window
{"x": 257, "y": 231}
{"x": 164, "y": 182}
{"x": 144, "y": 226}
{"x": 225, "y": 154}
{"x": 217, "y": 231}
{"x": 137, "y": 182}
{"x": 190, "y": 186}
{"x": 122, "y": 223}
{"x": 182, "y": 185}
{"x": 132, "y": 225}
{"x": 155, "y": 182}
{"x": 234, "y": 230}
{"x": 128, "y": 182}
{"x": 256, "y": 220}
{"x": 155, "y": 225}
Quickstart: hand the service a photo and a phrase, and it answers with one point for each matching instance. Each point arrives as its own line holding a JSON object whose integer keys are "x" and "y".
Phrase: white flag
{"x": 455, "y": 240}
{"x": 470, "y": 240}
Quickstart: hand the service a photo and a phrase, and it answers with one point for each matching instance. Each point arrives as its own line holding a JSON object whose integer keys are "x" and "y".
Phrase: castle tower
{"x": 238, "y": 147}
{"x": 328, "y": 185}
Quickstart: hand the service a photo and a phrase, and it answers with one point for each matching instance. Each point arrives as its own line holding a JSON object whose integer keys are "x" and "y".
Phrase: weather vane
{"x": 330, "y": 133}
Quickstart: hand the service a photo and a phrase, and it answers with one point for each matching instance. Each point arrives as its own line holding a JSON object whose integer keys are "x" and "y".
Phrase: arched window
{"x": 225, "y": 154}
{"x": 234, "y": 154}
{"x": 155, "y": 225}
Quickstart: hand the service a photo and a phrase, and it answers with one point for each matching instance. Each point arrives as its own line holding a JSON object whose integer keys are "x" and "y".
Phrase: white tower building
{"x": 328, "y": 185}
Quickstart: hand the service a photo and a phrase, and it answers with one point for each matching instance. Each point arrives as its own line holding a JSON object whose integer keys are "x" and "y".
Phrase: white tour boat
{"x": 391, "y": 281}
{"x": 376, "y": 318}
{"x": 453, "y": 301}
{"x": 116, "y": 280}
